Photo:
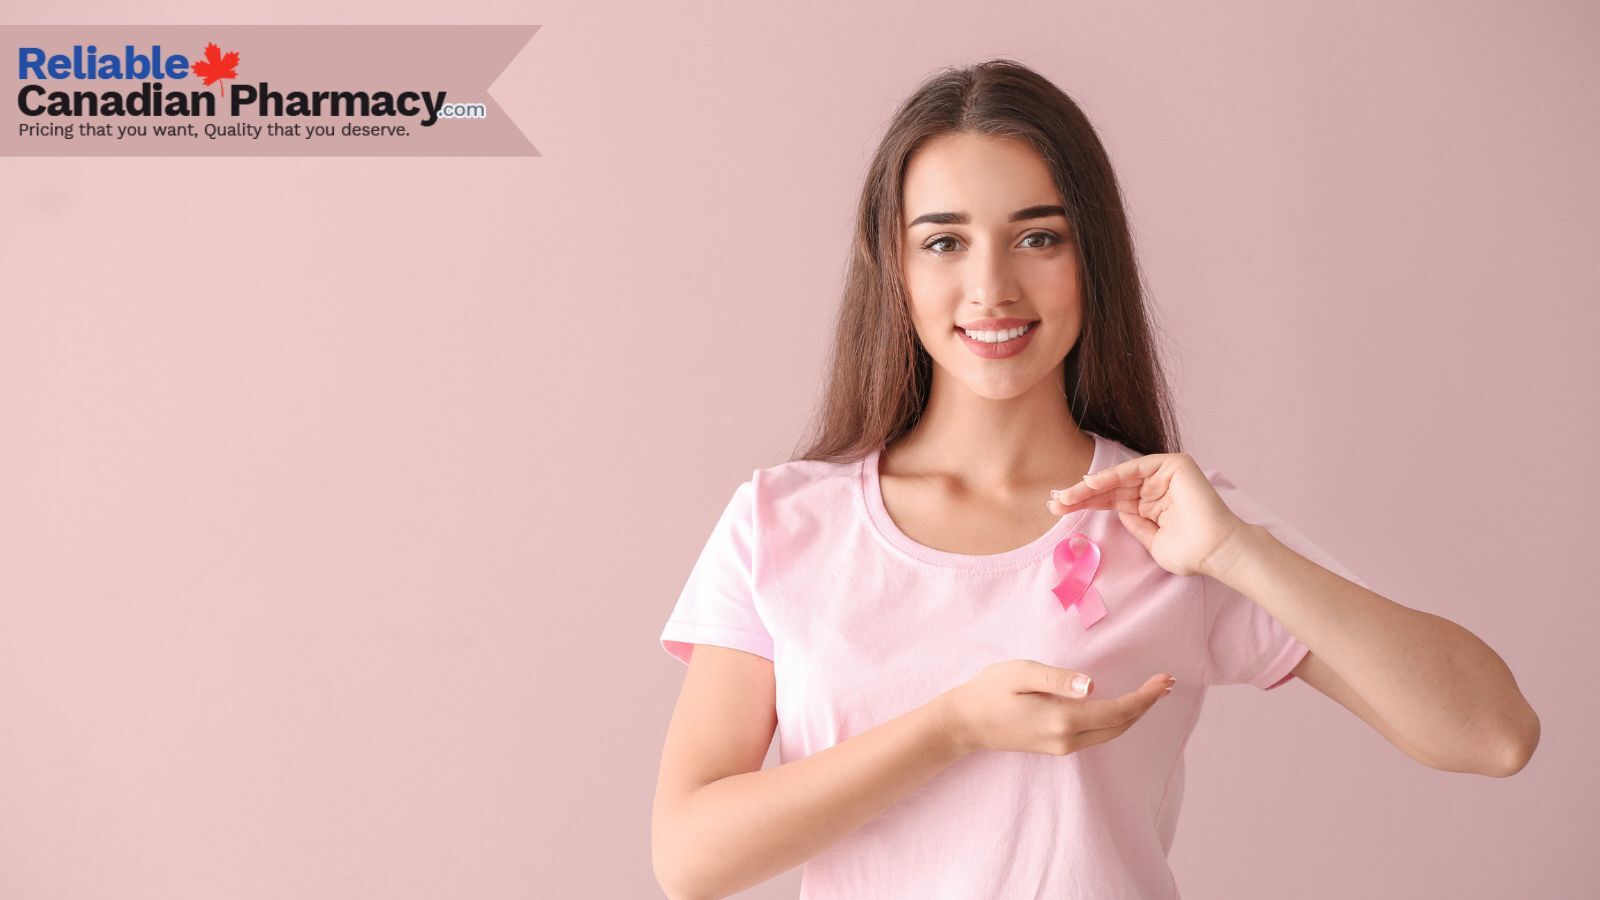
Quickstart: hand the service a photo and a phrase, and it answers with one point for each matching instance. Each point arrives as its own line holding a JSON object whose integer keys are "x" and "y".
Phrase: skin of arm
{"x": 745, "y": 828}
{"x": 1444, "y": 693}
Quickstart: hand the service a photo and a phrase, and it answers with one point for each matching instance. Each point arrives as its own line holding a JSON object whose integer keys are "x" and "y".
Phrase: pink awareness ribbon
{"x": 1077, "y": 559}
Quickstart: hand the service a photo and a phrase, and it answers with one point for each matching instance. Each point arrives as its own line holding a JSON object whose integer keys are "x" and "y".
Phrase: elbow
{"x": 676, "y": 894}
{"x": 669, "y": 874}
{"x": 673, "y": 883}
{"x": 1519, "y": 749}
{"x": 673, "y": 872}
{"x": 676, "y": 888}
{"x": 677, "y": 891}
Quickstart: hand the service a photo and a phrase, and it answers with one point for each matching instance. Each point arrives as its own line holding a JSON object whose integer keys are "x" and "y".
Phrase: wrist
{"x": 1241, "y": 541}
{"x": 949, "y": 728}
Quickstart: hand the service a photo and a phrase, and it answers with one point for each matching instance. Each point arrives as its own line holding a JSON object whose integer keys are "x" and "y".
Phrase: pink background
{"x": 334, "y": 543}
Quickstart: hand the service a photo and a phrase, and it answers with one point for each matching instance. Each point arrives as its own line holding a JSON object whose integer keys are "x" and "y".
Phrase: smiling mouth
{"x": 1026, "y": 329}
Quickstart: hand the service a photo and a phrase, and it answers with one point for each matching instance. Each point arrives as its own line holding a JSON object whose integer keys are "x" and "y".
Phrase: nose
{"x": 990, "y": 281}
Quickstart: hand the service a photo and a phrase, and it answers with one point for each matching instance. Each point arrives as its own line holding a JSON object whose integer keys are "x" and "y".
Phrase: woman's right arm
{"x": 721, "y": 823}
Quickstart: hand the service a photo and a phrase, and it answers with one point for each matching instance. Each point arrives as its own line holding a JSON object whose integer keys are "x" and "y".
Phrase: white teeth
{"x": 997, "y": 337}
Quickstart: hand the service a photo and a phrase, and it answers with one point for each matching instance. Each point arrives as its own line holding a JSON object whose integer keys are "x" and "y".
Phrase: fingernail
{"x": 1055, "y": 493}
{"x": 1166, "y": 692}
{"x": 1080, "y": 684}
{"x": 1171, "y": 681}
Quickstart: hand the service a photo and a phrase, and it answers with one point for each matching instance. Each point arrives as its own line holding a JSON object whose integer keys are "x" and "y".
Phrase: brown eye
{"x": 931, "y": 245}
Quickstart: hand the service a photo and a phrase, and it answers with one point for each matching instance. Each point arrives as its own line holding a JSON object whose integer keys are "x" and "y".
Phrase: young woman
{"x": 910, "y": 603}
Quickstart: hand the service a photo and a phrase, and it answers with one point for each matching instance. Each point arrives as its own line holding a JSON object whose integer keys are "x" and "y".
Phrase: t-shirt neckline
{"x": 883, "y": 526}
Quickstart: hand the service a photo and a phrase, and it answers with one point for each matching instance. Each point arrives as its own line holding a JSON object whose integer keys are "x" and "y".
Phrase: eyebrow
{"x": 960, "y": 218}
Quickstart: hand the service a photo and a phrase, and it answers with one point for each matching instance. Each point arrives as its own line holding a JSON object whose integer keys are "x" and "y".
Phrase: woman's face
{"x": 967, "y": 259}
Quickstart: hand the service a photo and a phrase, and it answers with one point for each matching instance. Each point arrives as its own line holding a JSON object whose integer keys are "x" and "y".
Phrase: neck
{"x": 988, "y": 445}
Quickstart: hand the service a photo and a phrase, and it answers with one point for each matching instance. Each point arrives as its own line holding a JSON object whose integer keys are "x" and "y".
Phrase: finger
{"x": 1041, "y": 678}
{"x": 1118, "y": 711}
{"x": 1127, "y": 473}
{"x": 1101, "y": 735}
{"x": 1130, "y": 471}
{"x": 1143, "y": 529}
{"x": 1122, "y": 500}
{"x": 1077, "y": 494}
{"x": 1081, "y": 492}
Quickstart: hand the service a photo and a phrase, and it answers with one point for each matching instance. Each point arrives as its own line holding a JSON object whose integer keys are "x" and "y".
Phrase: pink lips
{"x": 1001, "y": 350}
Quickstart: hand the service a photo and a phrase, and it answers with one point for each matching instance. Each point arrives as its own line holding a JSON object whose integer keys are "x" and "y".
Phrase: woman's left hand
{"x": 1166, "y": 501}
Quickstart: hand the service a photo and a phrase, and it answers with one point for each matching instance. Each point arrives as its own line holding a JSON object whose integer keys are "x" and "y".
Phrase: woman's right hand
{"x": 1022, "y": 704}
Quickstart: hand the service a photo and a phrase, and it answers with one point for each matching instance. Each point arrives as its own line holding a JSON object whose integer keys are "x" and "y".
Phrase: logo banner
{"x": 258, "y": 90}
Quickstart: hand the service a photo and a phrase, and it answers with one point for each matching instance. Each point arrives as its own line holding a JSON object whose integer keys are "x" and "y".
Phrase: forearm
{"x": 1431, "y": 680}
{"x": 746, "y": 828}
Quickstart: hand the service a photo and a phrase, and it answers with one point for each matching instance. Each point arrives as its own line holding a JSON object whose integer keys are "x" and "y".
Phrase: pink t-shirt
{"x": 805, "y": 568}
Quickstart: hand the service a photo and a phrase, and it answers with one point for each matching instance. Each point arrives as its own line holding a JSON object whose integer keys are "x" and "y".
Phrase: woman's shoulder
{"x": 806, "y": 475}
{"x": 804, "y": 489}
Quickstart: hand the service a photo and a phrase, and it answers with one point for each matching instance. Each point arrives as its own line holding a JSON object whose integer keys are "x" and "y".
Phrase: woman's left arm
{"x": 1447, "y": 698}
{"x": 1436, "y": 683}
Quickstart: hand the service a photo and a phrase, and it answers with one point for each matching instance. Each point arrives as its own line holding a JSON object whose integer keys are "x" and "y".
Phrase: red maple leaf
{"x": 216, "y": 65}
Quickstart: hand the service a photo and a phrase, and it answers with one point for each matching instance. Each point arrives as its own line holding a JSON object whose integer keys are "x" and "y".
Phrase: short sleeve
{"x": 717, "y": 605}
{"x": 1244, "y": 643}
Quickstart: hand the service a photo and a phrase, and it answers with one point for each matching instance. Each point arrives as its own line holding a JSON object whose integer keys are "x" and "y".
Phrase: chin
{"x": 991, "y": 391}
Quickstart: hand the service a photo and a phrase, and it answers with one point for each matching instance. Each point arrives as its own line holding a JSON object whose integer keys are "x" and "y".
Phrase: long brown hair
{"x": 879, "y": 372}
